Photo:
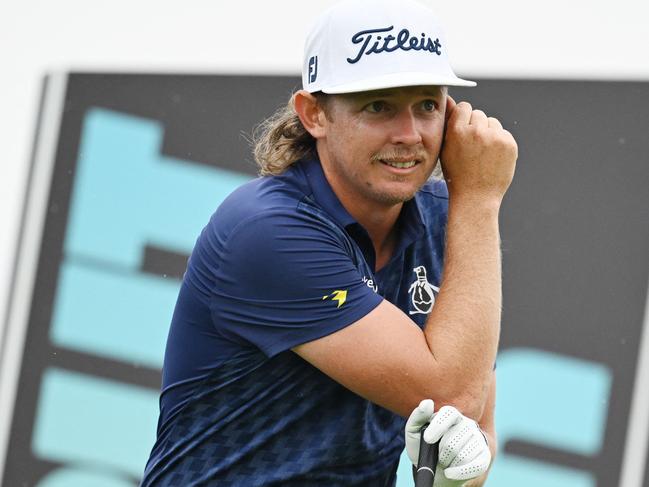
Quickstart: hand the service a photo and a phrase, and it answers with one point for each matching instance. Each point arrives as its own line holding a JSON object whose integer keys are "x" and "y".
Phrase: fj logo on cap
{"x": 390, "y": 43}
{"x": 313, "y": 68}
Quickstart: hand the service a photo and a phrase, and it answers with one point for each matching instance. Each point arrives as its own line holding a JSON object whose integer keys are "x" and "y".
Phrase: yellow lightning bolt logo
{"x": 339, "y": 296}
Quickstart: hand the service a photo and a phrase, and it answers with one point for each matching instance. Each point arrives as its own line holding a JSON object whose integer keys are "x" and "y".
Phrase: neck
{"x": 379, "y": 220}
{"x": 380, "y": 223}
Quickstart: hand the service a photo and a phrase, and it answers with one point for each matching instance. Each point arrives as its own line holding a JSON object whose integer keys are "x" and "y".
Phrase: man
{"x": 314, "y": 316}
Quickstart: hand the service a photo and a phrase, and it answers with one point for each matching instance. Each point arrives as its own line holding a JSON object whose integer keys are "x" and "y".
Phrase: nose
{"x": 405, "y": 128}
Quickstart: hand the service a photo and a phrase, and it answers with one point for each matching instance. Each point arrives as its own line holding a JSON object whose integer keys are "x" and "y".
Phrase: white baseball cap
{"x": 361, "y": 45}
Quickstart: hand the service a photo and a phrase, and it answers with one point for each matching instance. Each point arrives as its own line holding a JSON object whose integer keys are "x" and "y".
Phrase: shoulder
{"x": 266, "y": 215}
{"x": 264, "y": 195}
{"x": 250, "y": 217}
{"x": 262, "y": 202}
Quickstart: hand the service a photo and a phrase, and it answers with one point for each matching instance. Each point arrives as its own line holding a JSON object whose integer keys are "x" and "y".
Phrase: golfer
{"x": 345, "y": 289}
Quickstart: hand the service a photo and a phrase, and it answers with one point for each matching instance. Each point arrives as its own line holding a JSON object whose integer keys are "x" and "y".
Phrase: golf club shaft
{"x": 427, "y": 462}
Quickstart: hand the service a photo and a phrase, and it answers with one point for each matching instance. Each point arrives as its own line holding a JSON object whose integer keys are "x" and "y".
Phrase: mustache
{"x": 409, "y": 154}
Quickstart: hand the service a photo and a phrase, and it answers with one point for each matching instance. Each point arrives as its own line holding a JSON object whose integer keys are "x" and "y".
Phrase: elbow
{"x": 468, "y": 392}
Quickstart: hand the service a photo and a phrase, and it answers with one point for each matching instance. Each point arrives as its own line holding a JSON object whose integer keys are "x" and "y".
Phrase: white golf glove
{"x": 463, "y": 450}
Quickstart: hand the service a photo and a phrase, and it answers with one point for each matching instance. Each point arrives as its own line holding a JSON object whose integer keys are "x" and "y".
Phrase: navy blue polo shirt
{"x": 281, "y": 263}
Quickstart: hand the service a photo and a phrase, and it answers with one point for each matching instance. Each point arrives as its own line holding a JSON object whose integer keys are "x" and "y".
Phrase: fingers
{"x": 464, "y": 114}
{"x": 446, "y": 417}
{"x": 472, "y": 447}
{"x": 420, "y": 416}
{"x": 494, "y": 123}
{"x": 450, "y": 106}
{"x": 479, "y": 118}
{"x": 473, "y": 469}
{"x": 478, "y": 156}
{"x": 460, "y": 444}
{"x": 463, "y": 450}
{"x": 461, "y": 114}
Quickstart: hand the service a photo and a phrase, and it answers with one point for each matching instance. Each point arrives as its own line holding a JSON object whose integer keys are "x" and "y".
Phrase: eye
{"x": 376, "y": 106}
{"x": 429, "y": 105}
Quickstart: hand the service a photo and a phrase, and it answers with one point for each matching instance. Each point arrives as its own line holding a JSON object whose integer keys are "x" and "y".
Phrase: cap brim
{"x": 395, "y": 80}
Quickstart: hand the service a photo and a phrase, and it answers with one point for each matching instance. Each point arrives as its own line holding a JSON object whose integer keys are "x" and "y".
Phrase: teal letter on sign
{"x": 554, "y": 401}
{"x": 127, "y": 195}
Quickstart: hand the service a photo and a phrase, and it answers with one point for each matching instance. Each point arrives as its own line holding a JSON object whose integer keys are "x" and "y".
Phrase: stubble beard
{"x": 383, "y": 196}
{"x": 390, "y": 198}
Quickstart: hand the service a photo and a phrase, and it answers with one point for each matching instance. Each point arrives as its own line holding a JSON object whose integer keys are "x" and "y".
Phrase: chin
{"x": 394, "y": 198}
{"x": 398, "y": 193}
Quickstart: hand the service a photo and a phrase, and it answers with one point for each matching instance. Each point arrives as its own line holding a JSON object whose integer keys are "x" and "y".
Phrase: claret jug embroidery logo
{"x": 389, "y": 43}
{"x": 340, "y": 296}
{"x": 422, "y": 292}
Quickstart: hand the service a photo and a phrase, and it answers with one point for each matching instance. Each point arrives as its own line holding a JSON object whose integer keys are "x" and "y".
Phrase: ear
{"x": 311, "y": 114}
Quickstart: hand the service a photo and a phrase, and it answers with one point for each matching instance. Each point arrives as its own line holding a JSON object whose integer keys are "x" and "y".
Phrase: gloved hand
{"x": 463, "y": 450}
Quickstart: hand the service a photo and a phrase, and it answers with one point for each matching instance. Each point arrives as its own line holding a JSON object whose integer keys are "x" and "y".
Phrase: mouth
{"x": 400, "y": 164}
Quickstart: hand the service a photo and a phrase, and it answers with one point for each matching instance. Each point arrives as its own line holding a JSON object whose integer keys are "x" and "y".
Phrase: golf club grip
{"x": 427, "y": 462}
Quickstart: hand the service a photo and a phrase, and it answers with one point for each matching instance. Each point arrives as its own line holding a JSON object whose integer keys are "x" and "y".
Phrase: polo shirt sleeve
{"x": 285, "y": 279}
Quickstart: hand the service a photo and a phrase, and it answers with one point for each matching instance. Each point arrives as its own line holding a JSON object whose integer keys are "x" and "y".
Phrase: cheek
{"x": 433, "y": 135}
{"x": 356, "y": 140}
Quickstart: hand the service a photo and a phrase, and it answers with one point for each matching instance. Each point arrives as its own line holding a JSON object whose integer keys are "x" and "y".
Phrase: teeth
{"x": 401, "y": 165}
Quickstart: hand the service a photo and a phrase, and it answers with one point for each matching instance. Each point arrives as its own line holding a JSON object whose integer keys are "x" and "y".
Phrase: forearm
{"x": 463, "y": 328}
{"x": 488, "y": 427}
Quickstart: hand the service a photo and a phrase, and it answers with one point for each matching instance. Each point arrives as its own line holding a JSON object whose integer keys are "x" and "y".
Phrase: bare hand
{"x": 478, "y": 156}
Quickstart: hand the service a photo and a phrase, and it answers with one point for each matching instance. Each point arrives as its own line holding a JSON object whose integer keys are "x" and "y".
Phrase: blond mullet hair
{"x": 282, "y": 140}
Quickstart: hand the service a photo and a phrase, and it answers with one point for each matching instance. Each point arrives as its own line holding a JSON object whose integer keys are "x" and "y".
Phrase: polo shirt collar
{"x": 323, "y": 194}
